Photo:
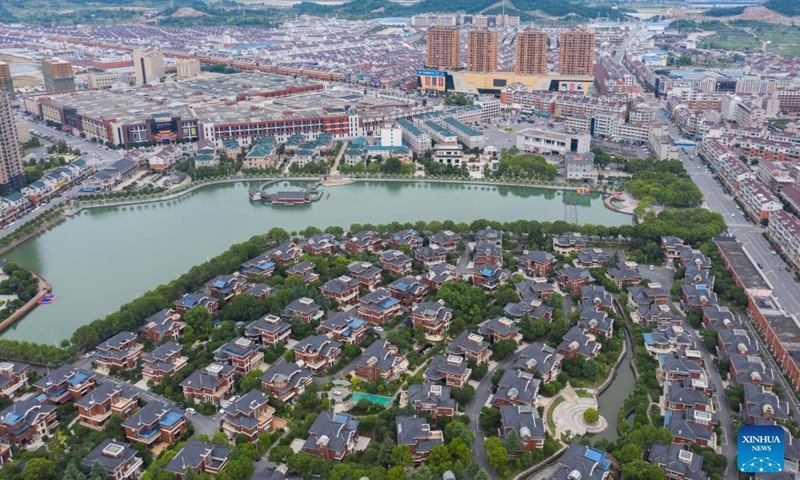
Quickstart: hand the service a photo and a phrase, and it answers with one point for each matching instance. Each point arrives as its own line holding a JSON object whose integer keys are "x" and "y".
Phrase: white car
{"x": 378, "y": 329}
{"x": 191, "y": 411}
{"x": 89, "y": 354}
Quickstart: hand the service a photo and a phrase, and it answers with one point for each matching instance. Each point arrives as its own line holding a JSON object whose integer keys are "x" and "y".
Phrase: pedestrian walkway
{"x": 570, "y": 395}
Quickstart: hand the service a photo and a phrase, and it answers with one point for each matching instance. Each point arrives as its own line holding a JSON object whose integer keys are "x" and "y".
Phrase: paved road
{"x": 784, "y": 288}
{"x": 723, "y": 410}
{"x": 482, "y": 394}
{"x": 202, "y": 424}
{"x": 624, "y": 47}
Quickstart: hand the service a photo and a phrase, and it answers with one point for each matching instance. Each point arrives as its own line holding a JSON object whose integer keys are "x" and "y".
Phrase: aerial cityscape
{"x": 399, "y": 239}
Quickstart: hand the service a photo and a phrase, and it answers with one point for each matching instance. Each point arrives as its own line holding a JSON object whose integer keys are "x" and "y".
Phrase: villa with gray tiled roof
{"x": 286, "y": 381}
{"x": 432, "y": 399}
{"x": 269, "y": 331}
{"x": 118, "y": 459}
{"x": 210, "y": 384}
{"x": 417, "y": 435}
{"x": 317, "y": 352}
{"x": 525, "y": 421}
{"x": 516, "y": 388}
{"x": 332, "y": 436}
{"x": 380, "y": 361}
{"x": 540, "y": 358}
{"x": 200, "y": 457}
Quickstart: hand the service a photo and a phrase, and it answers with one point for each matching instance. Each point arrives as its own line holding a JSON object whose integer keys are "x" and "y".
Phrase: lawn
{"x": 583, "y": 394}
{"x": 731, "y": 42}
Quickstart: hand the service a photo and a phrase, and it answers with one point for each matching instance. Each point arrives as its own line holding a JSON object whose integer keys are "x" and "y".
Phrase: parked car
{"x": 191, "y": 411}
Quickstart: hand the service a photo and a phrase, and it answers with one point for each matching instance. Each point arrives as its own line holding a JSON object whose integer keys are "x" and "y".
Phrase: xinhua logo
{"x": 760, "y": 449}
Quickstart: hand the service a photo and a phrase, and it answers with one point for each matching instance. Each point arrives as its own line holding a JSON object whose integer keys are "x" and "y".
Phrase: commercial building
{"x": 551, "y": 141}
{"x": 6, "y": 83}
{"x": 442, "y": 47}
{"x": 103, "y": 80}
{"x": 580, "y": 166}
{"x": 531, "y": 53}
{"x": 188, "y": 68}
{"x": 576, "y": 53}
{"x": 12, "y": 177}
{"x": 149, "y": 66}
{"x": 58, "y": 75}
{"x": 435, "y": 20}
{"x": 482, "y": 50}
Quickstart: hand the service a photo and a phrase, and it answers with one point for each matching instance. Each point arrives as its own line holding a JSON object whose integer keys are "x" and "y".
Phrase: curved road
{"x": 482, "y": 394}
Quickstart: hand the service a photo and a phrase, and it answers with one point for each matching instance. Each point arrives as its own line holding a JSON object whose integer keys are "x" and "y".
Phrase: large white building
{"x": 549, "y": 141}
{"x": 418, "y": 141}
{"x": 580, "y": 166}
{"x": 149, "y": 66}
{"x": 391, "y": 137}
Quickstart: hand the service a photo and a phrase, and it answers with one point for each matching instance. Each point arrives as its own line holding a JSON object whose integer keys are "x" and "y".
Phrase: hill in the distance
{"x": 552, "y": 8}
{"x": 790, "y": 8}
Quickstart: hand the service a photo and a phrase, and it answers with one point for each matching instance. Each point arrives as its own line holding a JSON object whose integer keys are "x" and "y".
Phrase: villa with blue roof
{"x": 24, "y": 423}
{"x": 262, "y": 265}
{"x": 345, "y": 327}
{"x": 66, "y": 384}
{"x": 157, "y": 422}
{"x": 227, "y": 286}
{"x": 409, "y": 290}
{"x": 202, "y": 298}
{"x": 379, "y": 306}
{"x": 584, "y": 463}
{"x": 490, "y": 276}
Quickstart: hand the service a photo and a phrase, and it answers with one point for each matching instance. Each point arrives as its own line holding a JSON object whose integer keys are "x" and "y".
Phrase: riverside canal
{"x": 103, "y": 258}
{"x": 610, "y": 401}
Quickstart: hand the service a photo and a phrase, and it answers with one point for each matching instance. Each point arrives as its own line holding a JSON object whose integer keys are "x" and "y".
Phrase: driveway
{"x": 482, "y": 393}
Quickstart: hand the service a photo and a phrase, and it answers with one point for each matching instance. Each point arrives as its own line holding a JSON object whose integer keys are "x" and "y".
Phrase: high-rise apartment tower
{"x": 442, "y": 47}
{"x": 58, "y": 75}
{"x": 576, "y": 53}
{"x": 149, "y": 66}
{"x": 531, "y": 53}
{"x": 12, "y": 176}
{"x": 6, "y": 84}
{"x": 482, "y": 50}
